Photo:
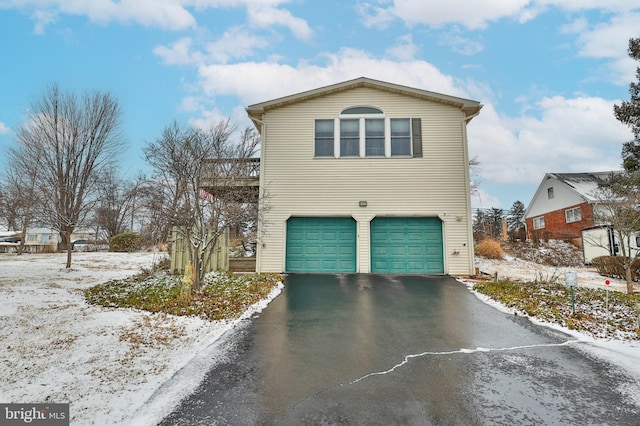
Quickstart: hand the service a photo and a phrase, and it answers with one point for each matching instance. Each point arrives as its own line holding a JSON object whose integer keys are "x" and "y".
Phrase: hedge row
{"x": 613, "y": 266}
{"x": 125, "y": 243}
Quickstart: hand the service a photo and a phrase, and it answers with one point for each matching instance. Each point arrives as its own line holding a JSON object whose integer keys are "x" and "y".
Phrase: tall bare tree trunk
{"x": 68, "y": 238}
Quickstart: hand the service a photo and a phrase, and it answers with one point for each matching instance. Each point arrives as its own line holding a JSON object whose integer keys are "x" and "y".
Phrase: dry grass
{"x": 490, "y": 249}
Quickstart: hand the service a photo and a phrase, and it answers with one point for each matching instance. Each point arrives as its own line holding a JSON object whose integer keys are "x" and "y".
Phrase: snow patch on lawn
{"x": 107, "y": 363}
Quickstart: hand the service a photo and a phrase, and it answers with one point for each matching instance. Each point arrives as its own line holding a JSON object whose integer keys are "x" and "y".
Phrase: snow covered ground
{"x": 111, "y": 364}
{"x": 107, "y": 363}
{"x": 522, "y": 270}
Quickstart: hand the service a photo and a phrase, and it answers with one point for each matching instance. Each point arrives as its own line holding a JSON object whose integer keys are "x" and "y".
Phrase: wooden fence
{"x": 218, "y": 258}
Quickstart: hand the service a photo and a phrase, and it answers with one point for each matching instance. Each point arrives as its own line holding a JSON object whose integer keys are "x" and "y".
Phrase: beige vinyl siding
{"x": 298, "y": 184}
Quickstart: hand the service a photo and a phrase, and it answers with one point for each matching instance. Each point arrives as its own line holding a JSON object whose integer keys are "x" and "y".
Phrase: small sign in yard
{"x": 571, "y": 280}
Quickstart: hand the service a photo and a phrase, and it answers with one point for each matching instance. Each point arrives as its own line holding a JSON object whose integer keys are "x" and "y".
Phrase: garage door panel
{"x": 327, "y": 244}
{"x": 407, "y": 245}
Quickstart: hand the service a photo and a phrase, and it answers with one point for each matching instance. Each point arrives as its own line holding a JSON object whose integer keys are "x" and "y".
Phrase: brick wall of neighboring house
{"x": 556, "y": 226}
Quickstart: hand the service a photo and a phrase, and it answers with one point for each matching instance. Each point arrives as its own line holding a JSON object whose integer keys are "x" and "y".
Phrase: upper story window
{"x": 374, "y": 137}
{"x": 550, "y": 193}
{"x": 400, "y": 136}
{"x": 573, "y": 215}
{"x": 364, "y": 131}
{"x": 349, "y": 138}
{"x": 538, "y": 222}
{"x": 324, "y": 138}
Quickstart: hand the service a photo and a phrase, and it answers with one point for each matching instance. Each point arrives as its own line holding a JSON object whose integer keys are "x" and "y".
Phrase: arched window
{"x": 362, "y": 110}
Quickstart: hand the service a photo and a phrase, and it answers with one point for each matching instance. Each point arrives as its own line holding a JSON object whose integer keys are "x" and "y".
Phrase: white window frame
{"x": 538, "y": 222}
{"x": 316, "y": 139}
{"x": 362, "y": 134}
{"x": 570, "y": 215}
{"x": 550, "y": 194}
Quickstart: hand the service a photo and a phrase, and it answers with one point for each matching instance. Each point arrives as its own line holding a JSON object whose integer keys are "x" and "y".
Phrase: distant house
{"x": 562, "y": 206}
{"x": 365, "y": 176}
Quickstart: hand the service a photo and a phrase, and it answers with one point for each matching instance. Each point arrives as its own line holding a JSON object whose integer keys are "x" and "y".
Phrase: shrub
{"x": 613, "y": 266}
{"x": 489, "y": 248}
{"x": 126, "y": 242}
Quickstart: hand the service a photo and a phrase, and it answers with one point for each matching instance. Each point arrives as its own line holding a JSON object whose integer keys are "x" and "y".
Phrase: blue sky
{"x": 547, "y": 71}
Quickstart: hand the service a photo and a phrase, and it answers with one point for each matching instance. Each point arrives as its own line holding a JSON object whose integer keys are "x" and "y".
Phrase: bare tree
{"x": 177, "y": 159}
{"x": 618, "y": 205}
{"x": 114, "y": 212}
{"x": 70, "y": 142}
{"x": 20, "y": 198}
{"x": 474, "y": 172}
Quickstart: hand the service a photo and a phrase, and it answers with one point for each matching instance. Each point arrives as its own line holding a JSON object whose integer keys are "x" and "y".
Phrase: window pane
{"x": 400, "y": 127}
{"x": 375, "y": 148}
{"x": 324, "y": 138}
{"x": 324, "y": 148}
{"x": 349, "y": 128}
{"x": 374, "y": 128}
{"x": 400, "y": 146}
{"x": 349, "y": 138}
{"x": 400, "y": 137}
{"x": 374, "y": 138}
{"x": 324, "y": 128}
{"x": 349, "y": 148}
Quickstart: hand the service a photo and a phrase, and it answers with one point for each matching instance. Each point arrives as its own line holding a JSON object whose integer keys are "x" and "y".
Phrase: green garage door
{"x": 407, "y": 245}
{"x": 321, "y": 244}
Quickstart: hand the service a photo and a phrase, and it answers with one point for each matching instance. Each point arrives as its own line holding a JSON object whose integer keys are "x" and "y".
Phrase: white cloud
{"x": 404, "y": 50}
{"x": 260, "y": 81}
{"x": 42, "y": 18}
{"x": 375, "y": 16}
{"x": 472, "y": 15}
{"x": 171, "y": 15}
{"x": 179, "y": 53}
{"x": 580, "y": 5}
{"x": 4, "y": 129}
{"x": 477, "y": 14}
{"x": 269, "y": 16}
{"x": 483, "y": 200}
{"x": 236, "y": 42}
{"x": 568, "y": 135}
{"x": 460, "y": 44}
{"x": 610, "y": 41}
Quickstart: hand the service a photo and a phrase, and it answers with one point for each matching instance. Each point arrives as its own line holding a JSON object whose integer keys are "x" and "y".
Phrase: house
{"x": 563, "y": 205}
{"x": 365, "y": 176}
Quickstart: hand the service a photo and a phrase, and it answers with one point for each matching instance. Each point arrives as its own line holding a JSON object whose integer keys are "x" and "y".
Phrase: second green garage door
{"x": 407, "y": 245}
{"x": 321, "y": 244}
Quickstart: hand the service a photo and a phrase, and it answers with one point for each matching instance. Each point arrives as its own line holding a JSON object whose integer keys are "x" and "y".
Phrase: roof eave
{"x": 469, "y": 107}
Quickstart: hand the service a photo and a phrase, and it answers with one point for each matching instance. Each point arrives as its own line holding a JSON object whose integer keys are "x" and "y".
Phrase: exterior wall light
{"x": 362, "y": 203}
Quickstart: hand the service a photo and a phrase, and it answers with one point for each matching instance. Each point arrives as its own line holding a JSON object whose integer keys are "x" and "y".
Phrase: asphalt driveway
{"x": 417, "y": 350}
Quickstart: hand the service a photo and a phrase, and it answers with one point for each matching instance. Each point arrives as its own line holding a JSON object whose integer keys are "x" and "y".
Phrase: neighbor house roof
{"x": 585, "y": 184}
{"x": 470, "y": 107}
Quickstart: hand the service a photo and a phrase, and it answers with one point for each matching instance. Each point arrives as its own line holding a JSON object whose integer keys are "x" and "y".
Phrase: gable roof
{"x": 469, "y": 107}
{"x": 584, "y": 184}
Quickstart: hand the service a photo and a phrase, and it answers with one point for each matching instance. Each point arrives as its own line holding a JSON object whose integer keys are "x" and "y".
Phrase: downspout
{"x": 470, "y": 250}
{"x": 260, "y": 189}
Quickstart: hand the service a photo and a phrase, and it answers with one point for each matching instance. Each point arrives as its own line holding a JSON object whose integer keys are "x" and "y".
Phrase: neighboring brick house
{"x": 563, "y": 205}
